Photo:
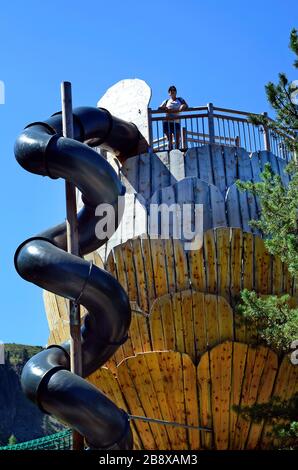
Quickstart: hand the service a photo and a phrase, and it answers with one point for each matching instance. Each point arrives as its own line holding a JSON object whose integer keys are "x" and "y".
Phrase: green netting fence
{"x": 59, "y": 441}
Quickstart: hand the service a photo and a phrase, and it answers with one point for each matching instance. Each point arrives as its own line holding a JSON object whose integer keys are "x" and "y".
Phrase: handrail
{"x": 198, "y": 108}
{"x": 217, "y": 125}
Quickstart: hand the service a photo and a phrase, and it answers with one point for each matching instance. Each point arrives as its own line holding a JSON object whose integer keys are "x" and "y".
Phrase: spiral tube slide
{"x": 43, "y": 260}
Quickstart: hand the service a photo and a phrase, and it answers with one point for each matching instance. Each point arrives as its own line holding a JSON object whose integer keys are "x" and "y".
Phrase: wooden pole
{"x": 267, "y": 144}
{"x": 211, "y": 123}
{"x": 72, "y": 247}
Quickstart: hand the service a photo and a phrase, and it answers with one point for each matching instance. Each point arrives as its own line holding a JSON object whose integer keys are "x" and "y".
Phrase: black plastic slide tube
{"x": 43, "y": 260}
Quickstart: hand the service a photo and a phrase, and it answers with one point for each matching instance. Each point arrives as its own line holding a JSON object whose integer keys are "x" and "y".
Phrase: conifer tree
{"x": 276, "y": 320}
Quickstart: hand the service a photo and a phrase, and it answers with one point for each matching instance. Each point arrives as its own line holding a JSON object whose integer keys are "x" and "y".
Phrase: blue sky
{"x": 219, "y": 51}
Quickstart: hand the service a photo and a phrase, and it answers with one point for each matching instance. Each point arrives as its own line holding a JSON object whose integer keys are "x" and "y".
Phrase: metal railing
{"x": 210, "y": 124}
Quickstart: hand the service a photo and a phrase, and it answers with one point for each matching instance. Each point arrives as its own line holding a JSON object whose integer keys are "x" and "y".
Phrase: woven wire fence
{"x": 59, "y": 441}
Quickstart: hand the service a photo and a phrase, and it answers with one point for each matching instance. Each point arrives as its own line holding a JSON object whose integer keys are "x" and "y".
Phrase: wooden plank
{"x": 236, "y": 261}
{"x": 130, "y": 172}
{"x": 160, "y": 173}
{"x": 185, "y": 195}
{"x": 273, "y": 162}
{"x": 218, "y": 168}
{"x": 153, "y": 365}
{"x": 170, "y": 264}
{"x": 159, "y": 267}
{"x": 128, "y": 220}
{"x": 135, "y": 406}
{"x": 144, "y": 175}
{"x": 205, "y": 164}
{"x": 248, "y": 261}
{"x": 157, "y": 314}
{"x": 230, "y": 163}
{"x": 253, "y": 207}
{"x": 245, "y": 172}
{"x": 238, "y": 369}
{"x": 264, "y": 395}
{"x": 277, "y": 275}
{"x": 168, "y": 196}
{"x": 177, "y": 170}
{"x": 223, "y": 261}
{"x": 262, "y": 268}
{"x": 148, "y": 268}
{"x": 212, "y": 327}
{"x": 191, "y": 402}
{"x": 181, "y": 266}
{"x": 199, "y": 309}
{"x": 225, "y": 387}
{"x": 255, "y": 167}
{"x": 244, "y": 211}
{"x": 144, "y": 335}
{"x": 283, "y": 388}
{"x": 264, "y": 158}
{"x": 145, "y": 389}
{"x": 220, "y": 371}
{"x": 140, "y": 274}
{"x": 168, "y": 322}
{"x": 135, "y": 334}
{"x": 178, "y": 322}
{"x": 106, "y": 382}
{"x": 110, "y": 265}
{"x": 120, "y": 266}
{"x": 281, "y": 169}
{"x": 177, "y": 392}
{"x": 188, "y": 324}
{"x": 256, "y": 359}
{"x": 191, "y": 162}
{"x": 204, "y": 383}
{"x": 201, "y": 195}
{"x": 197, "y": 269}
{"x": 131, "y": 274}
{"x": 210, "y": 260}
{"x": 252, "y": 384}
{"x": 218, "y": 210}
{"x": 233, "y": 207}
{"x": 225, "y": 320}
{"x": 242, "y": 426}
{"x": 153, "y": 222}
{"x": 140, "y": 216}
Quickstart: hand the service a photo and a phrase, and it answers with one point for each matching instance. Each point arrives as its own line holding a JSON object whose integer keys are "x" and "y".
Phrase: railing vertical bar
{"x": 203, "y": 126}
{"x": 259, "y": 137}
{"x": 254, "y": 135}
{"x": 229, "y": 131}
{"x": 157, "y": 132}
{"x": 211, "y": 123}
{"x": 244, "y": 135}
{"x": 234, "y": 132}
{"x": 150, "y": 128}
{"x": 224, "y": 131}
{"x": 249, "y": 139}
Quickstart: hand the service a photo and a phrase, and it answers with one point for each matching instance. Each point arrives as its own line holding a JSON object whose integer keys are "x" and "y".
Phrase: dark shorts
{"x": 170, "y": 127}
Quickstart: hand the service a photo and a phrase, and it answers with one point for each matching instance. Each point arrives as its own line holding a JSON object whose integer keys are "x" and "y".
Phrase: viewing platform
{"x": 214, "y": 125}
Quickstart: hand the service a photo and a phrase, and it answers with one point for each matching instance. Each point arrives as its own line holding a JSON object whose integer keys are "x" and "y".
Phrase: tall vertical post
{"x": 150, "y": 133}
{"x": 267, "y": 145}
{"x": 72, "y": 247}
{"x": 211, "y": 123}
